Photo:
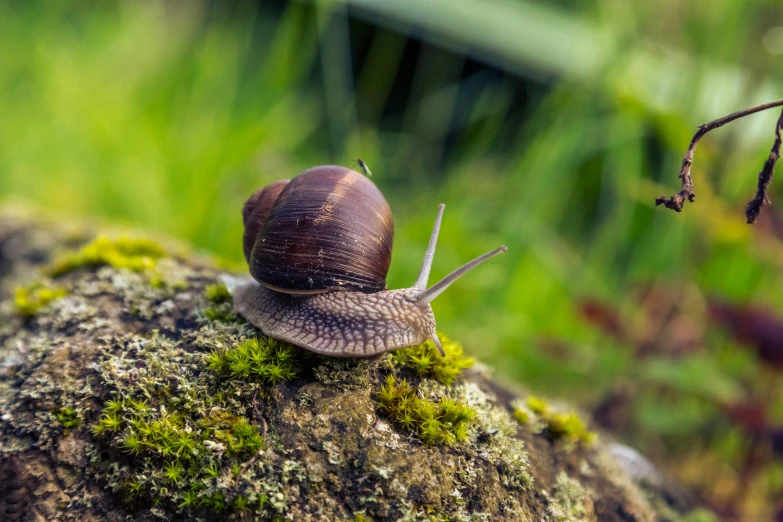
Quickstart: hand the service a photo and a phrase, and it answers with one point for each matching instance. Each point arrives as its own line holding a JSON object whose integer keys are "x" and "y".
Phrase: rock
{"x": 130, "y": 389}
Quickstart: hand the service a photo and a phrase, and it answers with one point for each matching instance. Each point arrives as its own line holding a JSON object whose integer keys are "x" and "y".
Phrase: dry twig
{"x": 753, "y": 208}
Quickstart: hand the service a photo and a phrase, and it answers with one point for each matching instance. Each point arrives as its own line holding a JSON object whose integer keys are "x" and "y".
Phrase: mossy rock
{"x": 136, "y": 392}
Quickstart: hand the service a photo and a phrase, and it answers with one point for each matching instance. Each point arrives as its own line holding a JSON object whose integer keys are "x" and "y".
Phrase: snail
{"x": 319, "y": 248}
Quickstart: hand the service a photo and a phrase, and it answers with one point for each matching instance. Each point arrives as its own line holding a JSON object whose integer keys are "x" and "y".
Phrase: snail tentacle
{"x": 436, "y": 340}
{"x": 429, "y": 255}
{"x": 435, "y": 290}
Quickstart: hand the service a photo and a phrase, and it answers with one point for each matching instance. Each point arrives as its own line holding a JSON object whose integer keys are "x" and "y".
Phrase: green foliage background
{"x": 166, "y": 116}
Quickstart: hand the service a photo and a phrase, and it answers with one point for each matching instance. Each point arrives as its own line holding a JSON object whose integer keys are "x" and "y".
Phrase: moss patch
{"x": 29, "y": 300}
{"x": 558, "y": 425}
{"x": 699, "y": 515}
{"x": 217, "y": 293}
{"x": 221, "y": 314}
{"x": 67, "y": 417}
{"x": 426, "y": 361}
{"x": 136, "y": 254}
{"x": 219, "y": 304}
{"x": 178, "y": 434}
{"x": 264, "y": 360}
{"x": 425, "y": 409}
{"x": 521, "y": 416}
{"x": 143, "y": 431}
{"x": 444, "y": 422}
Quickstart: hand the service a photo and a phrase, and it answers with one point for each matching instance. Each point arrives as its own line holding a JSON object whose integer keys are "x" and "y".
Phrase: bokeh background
{"x": 549, "y": 126}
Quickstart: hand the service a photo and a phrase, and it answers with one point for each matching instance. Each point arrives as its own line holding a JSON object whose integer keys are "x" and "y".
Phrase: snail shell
{"x": 328, "y": 229}
{"x": 254, "y": 213}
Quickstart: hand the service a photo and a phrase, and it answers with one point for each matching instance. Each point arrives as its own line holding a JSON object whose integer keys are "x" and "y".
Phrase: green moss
{"x": 537, "y": 405}
{"x": 173, "y": 471}
{"x": 216, "y": 501}
{"x": 235, "y": 433}
{"x": 426, "y": 361}
{"x": 132, "y": 443}
{"x": 263, "y": 359}
{"x": 360, "y": 517}
{"x": 188, "y": 499}
{"x": 434, "y": 422}
{"x": 240, "y": 503}
{"x": 156, "y": 281}
{"x": 521, "y": 415}
{"x": 136, "y": 254}
{"x": 108, "y": 423}
{"x": 29, "y": 300}
{"x": 568, "y": 426}
{"x": 180, "y": 436}
{"x": 220, "y": 307}
{"x": 559, "y": 425}
{"x": 221, "y": 313}
{"x": 699, "y": 515}
{"x": 217, "y": 293}
{"x": 67, "y": 417}
{"x": 182, "y": 444}
{"x": 444, "y": 422}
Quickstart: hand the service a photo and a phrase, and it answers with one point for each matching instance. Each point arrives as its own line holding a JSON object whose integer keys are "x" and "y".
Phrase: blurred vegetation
{"x": 547, "y": 126}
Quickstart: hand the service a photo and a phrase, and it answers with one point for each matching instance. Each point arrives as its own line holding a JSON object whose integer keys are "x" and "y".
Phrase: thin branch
{"x": 677, "y": 201}
{"x": 765, "y": 177}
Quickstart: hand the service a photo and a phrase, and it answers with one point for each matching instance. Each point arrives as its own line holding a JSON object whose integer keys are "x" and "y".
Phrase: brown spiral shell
{"x": 254, "y": 213}
{"x": 330, "y": 228}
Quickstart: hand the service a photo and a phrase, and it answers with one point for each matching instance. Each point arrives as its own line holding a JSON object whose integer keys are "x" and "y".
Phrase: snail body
{"x": 322, "y": 286}
{"x": 342, "y": 324}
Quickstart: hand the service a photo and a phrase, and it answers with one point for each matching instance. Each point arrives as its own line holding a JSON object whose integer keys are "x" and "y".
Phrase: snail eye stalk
{"x": 429, "y": 255}
{"x": 435, "y": 290}
{"x": 429, "y": 294}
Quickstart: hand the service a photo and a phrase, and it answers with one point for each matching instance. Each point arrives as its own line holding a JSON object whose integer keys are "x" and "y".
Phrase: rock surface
{"x": 115, "y": 404}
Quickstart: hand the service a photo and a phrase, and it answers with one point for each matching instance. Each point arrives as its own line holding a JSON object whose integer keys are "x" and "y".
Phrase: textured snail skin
{"x": 340, "y": 324}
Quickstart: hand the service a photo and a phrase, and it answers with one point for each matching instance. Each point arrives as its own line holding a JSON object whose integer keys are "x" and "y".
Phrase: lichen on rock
{"x": 141, "y": 394}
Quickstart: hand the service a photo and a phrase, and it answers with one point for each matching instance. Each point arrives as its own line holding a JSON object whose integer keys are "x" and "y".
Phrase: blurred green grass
{"x": 167, "y": 115}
